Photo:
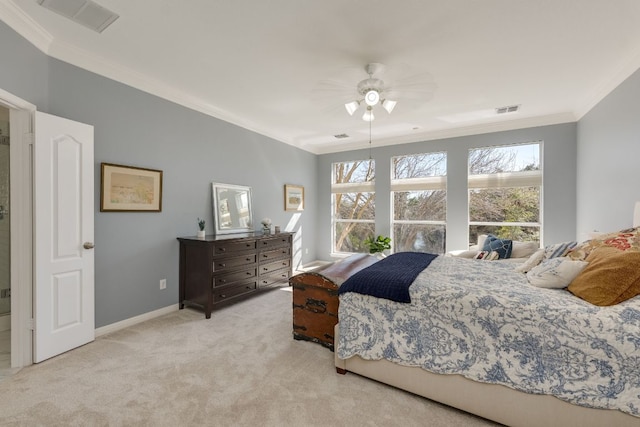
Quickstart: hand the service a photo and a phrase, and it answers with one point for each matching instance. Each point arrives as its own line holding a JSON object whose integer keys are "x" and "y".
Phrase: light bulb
{"x": 352, "y": 107}
{"x": 368, "y": 115}
{"x": 388, "y": 105}
{"x": 372, "y": 97}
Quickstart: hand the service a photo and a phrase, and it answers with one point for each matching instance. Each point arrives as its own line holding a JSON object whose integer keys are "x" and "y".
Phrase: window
{"x": 419, "y": 202}
{"x": 353, "y": 205}
{"x": 505, "y": 192}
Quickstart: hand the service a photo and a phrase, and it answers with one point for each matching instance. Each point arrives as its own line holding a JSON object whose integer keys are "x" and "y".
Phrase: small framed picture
{"x": 293, "y": 197}
{"x": 130, "y": 189}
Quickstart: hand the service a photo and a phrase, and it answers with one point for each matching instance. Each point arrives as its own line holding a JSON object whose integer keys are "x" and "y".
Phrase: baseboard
{"x": 113, "y": 327}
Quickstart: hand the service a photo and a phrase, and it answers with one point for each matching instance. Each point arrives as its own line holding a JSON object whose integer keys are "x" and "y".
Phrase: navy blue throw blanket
{"x": 389, "y": 278}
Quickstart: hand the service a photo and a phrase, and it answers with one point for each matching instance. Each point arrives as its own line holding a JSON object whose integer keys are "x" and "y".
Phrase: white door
{"x": 63, "y": 236}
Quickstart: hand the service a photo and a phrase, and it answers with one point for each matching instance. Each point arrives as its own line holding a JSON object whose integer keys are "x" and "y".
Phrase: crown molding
{"x": 609, "y": 85}
{"x": 524, "y": 123}
{"x": 24, "y": 25}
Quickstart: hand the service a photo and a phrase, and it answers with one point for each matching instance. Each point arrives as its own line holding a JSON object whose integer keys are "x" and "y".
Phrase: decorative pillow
{"x": 524, "y": 249}
{"x": 502, "y": 246}
{"x": 487, "y": 255}
{"x": 611, "y": 277}
{"x": 555, "y": 273}
{"x": 624, "y": 240}
{"x": 558, "y": 250}
{"x": 533, "y": 260}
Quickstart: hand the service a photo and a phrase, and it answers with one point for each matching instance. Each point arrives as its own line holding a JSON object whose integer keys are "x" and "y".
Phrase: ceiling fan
{"x": 372, "y": 91}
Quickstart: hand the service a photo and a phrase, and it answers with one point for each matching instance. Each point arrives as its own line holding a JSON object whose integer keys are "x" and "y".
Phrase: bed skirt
{"x": 491, "y": 401}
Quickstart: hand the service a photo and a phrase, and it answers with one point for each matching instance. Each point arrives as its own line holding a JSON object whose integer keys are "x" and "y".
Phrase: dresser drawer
{"x": 274, "y": 242}
{"x": 228, "y": 292}
{"x": 284, "y": 252}
{"x": 273, "y": 266}
{"x": 226, "y": 247}
{"x": 227, "y": 278}
{"x": 276, "y": 278}
{"x": 235, "y": 261}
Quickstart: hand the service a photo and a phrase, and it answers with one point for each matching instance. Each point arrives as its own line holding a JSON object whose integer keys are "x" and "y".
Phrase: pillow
{"x": 487, "y": 255}
{"x": 464, "y": 254}
{"x": 524, "y": 249}
{"x": 535, "y": 259}
{"x": 558, "y": 250}
{"x": 611, "y": 277}
{"x": 624, "y": 240}
{"x": 481, "y": 240}
{"x": 555, "y": 273}
{"x": 502, "y": 246}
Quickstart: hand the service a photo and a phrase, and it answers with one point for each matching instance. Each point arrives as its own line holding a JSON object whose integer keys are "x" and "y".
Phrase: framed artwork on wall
{"x": 293, "y": 197}
{"x": 130, "y": 189}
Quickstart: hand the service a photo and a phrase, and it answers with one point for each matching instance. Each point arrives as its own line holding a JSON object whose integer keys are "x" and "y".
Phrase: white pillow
{"x": 524, "y": 249}
{"x": 555, "y": 273}
{"x": 533, "y": 260}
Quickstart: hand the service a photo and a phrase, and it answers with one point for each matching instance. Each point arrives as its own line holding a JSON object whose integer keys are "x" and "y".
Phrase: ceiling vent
{"x": 341, "y": 136}
{"x": 84, "y": 12}
{"x": 509, "y": 109}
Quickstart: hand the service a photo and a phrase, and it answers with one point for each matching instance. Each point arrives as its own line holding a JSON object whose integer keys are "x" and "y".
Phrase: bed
{"x": 477, "y": 336}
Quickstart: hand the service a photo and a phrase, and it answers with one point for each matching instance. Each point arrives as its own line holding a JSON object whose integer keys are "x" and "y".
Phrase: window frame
{"x": 429, "y": 183}
{"x": 505, "y": 180}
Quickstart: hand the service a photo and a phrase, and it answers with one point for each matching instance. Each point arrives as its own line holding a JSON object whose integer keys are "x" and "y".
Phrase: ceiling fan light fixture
{"x": 352, "y": 107}
{"x": 389, "y": 105}
{"x": 372, "y": 97}
{"x": 368, "y": 115}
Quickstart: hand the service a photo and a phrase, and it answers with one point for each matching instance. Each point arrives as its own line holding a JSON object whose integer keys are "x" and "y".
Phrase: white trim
{"x": 20, "y": 188}
{"x": 26, "y": 26}
{"x": 117, "y": 326}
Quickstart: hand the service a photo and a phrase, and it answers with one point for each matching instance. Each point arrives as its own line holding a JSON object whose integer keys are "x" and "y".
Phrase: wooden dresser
{"x": 216, "y": 270}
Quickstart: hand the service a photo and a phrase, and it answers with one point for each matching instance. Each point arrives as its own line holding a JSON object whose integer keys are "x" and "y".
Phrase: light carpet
{"x": 240, "y": 368}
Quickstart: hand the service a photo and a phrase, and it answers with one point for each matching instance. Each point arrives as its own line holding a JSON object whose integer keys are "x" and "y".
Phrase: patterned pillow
{"x": 487, "y": 255}
{"x": 558, "y": 250}
{"x": 555, "y": 273}
{"x": 624, "y": 240}
{"x": 502, "y": 246}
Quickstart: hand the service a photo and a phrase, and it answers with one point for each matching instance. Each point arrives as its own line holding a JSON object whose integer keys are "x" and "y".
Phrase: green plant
{"x": 378, "y": 244}
{"x": 201, "y": 224}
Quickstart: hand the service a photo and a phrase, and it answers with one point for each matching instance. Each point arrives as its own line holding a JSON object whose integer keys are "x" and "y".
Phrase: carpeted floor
{"x": 240, "y": 368}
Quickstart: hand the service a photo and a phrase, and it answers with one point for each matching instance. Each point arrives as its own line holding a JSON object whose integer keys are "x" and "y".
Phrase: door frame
{"x": 21, "y": 118}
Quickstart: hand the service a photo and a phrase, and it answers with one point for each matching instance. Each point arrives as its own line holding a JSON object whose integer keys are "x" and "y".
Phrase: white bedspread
{"x": 484, "y": 321}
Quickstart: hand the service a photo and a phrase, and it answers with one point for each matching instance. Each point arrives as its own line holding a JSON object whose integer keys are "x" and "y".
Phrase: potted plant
{"x": 378, "y": 245}
{"x": 201, "y": 228}
{"x": 266, "y": 225}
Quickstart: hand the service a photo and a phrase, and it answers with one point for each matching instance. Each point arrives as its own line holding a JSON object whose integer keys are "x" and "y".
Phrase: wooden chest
{"x": 315, "y": 299}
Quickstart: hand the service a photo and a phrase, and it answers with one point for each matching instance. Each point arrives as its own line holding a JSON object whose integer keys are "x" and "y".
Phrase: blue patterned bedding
{"x": 484, "y": 321}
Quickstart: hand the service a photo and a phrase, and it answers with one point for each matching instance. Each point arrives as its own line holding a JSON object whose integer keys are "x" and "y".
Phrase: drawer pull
{"x": 264, "y": 282}
{"x": 247, "y": 259}
{"x": 248, "y": 273}
{"x": 222, "y": 265}
{"x": 285, "y": 275}
{"x": 284, "y": 263}
{"x": 264, "y": 255}
{"x": 223, "y": 296}
{"x": 222, "y": 249}
{"x": 223, "y": 281}
{"x": 265, "y": 269}
{"x": 248, "y": 287}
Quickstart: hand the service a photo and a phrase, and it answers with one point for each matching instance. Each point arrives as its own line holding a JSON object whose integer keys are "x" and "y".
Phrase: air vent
{"x": 341, "y": 136}
{"x": 84, "y": 12}
{"x": 509, "y": 109}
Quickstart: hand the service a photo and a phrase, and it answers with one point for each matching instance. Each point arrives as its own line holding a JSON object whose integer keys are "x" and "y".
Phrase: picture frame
{"x": 293, "y": 197}
{"x": 130, "y": 189}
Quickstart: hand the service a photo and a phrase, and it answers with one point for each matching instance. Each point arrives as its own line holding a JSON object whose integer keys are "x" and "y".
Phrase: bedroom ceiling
{"x": 274, "y": 66}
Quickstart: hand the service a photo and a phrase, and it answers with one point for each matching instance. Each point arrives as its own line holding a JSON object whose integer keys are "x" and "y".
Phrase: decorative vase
{"x": 200, "y": 234}
{"x": 266, "y": 229}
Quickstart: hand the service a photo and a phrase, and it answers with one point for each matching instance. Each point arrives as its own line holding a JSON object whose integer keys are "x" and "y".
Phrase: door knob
{"x": 88, "y": 245}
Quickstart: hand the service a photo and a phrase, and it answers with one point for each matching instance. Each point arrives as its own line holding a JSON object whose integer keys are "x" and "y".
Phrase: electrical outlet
{"x": 163, "y": 283}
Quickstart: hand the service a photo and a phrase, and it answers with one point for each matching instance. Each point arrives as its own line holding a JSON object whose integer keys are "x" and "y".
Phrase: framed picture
{"x": 293, "y": 197}
{"x": 130, "y": 189}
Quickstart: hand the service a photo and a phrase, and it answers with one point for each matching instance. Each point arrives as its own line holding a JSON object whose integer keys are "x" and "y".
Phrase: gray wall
{"x": 135, "y": 250}
{"x": 608, "y": 161}
{"x": 559, "y": 168}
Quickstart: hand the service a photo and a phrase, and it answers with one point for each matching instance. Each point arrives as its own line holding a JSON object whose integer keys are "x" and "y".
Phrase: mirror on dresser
{"x": 231, "y": 208}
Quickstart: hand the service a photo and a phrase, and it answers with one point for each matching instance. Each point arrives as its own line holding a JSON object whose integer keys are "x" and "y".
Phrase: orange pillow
{"x": 611, "y": 277}
{"x": 625, "y": 240}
